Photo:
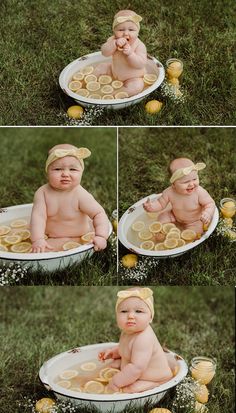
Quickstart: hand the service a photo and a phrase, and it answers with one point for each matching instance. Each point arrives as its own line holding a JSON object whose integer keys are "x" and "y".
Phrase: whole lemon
{"x": 200, "y": 408}
{"x": 201, "y": 393}
{"x": 45, "y": 405}
{"x": 129, "y": 260}
{"x": 115, "y": 225}
{"x": 153, "y": 106}
{"x": 160, "y": 410}
{"x": 75, "y": 112}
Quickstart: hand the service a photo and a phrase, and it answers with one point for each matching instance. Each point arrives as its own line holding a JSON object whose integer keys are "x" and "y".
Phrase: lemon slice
{"x": 149, "y": 78}
{"x": 155, "y": 227}
{"x": 188, "y": 235}
{"x": 90, "y": 366}
{"x": 69, "y": 245}
{"x": 4, "y": 229}
{"x": 68, "y": 374}
{"x": 167, "y": 227}
{"x": 66, "y": 384}
{"x": 181, "y": 242}
{"x": 147, "y": 245}
{"x": 138, "y": 226}
{"x": 145, "y": 235}
{"x": 108, "y": 374}
{"x": 94, "y": 96}
{"x": 121, "y": 95}
{"x": 87, "y": 70}
{"x": 88, "y": 238}
{"x": 3, "y": 248}
{"x": 78, "y": 76}
{"x": 23, "y": 233}
{"x": 159, "y": 247}
{"x": 171, "y": 243}
{"x": 101, "y": 379}
{"x": 94, "y": 387}
{"x": 18, "y": 223}
{"x": 117, "y": 84}
{"x": 159, "y": 237}
{"x": 93, "y": 86}
{"x": 173, "y": 234}
{"x": 12, "y": 239}
{"x": 82, "y": 92}
{"x": 104, "y": 79}
{"x": 107, "y": 97}
{"x": 102, "y": 372}
{"x": 107, "y": 89}
{"x": 21, "y": 247}
{"x": 75, "y": 85}
{"x": 175, "y": 230}
{"x": 90, "y": 78}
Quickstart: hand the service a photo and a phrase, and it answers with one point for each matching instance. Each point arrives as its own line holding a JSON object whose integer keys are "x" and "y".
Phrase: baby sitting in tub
{"x": 187, "y": 202}
{"x": 129, "y": 54}
{"x": 63, "y": 210}
{"x": 139, "y": 356}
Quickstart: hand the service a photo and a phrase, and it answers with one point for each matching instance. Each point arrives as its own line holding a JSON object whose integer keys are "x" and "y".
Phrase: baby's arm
{"x": 111, "y": 353}
{"x": 157, "y": 204}
{"x": 38, "y": 223}
{"x": 109, "y": 48}
{"x": 208, "y": 205}
{"x": 137, "y": 58}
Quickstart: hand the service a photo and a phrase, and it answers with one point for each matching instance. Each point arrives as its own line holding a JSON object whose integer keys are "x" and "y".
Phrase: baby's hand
{"x": 121, "y": 42}
{"x": 111, "y": 386}
{"x": 206, "y": 218}
{"x": 40, "y": 245}
{"x": 99, "y": 243}
{"x": 104, "y": 355}
{"x": 127, "y": 49}
{"x": 148, "y": 206}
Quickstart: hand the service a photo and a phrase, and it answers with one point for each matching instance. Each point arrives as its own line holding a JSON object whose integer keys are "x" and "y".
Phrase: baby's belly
{"x": 186, "y": 217}
{"x": 59, "y": 228}
{"x": 125, "y": 72}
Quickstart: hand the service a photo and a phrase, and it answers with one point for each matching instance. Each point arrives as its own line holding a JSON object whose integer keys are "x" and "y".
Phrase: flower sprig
{"x": 141, "y": 270}
{"x": 89, "y": 117}
{"x": 11, "y": 274}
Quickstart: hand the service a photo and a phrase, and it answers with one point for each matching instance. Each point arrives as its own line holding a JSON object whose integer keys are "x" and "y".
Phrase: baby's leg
{"x": 166, "y": 217}
{"x": 57, "y": 243}
{"x": 139, "y": 386}
{"x": 102, "y": 69}
{"x": 133, "y": 86}
{"x": 196, "y": 226}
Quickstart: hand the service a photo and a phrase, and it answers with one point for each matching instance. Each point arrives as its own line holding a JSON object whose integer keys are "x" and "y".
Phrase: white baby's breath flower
{"x": 141, "y": 270}
{"x": 89, "y": 117}
{"x": 11, "y": 274}
{"x": 172, "y": 93}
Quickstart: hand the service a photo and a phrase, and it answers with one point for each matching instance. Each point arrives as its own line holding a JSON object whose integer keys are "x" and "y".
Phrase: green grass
{"x": 39, "y": 38}
{"x": 144, "y": 155}
{"x": 23, "y": 155}
{"x": 39, "y": 322}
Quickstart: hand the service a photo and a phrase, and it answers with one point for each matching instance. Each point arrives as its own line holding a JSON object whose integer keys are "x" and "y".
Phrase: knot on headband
{"x": 79, "y": 153}
{"x": 121, "y": 19}
{"x": 145, "y": 294}
{"x": 179, "y": 173}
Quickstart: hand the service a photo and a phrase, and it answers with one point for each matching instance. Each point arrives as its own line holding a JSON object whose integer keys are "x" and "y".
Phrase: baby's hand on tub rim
{"x": 205, "y": 218}
{"x": 100, "y": 243}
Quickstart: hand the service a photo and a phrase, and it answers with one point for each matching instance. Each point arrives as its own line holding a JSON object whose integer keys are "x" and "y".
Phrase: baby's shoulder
{"x": 42, "y": 189}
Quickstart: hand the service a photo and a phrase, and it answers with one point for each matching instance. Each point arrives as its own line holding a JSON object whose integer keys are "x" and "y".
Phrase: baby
{"x": 188, "y": 204}
{"x": 63, "y": 210}
{"x": 129, "y": 54}
{"x": 139, "y": 356}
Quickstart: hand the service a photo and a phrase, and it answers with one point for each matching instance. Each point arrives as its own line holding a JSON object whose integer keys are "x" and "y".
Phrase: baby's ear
{"x": 83, "y": 153}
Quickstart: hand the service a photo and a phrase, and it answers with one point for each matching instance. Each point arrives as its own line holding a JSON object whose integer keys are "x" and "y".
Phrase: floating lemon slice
{"x": 159, "y": 247}
{"x": 138, "y": 226}
{"x": 82, "y": 92}
{"x": 3, "y": 248}
{"x": 75, "y": 85}
{"x": 69, "y": 245}
{"x": 101, "y": 379}
{"x": 103, "y": 371}
{"x": 88, "y": 238}
{"x": 4, "y": 229}
{"x": 145, "y": 235}
{"x": 188, "y": 235}
{"x": 173, "y": 234}
{"x": 155, "y": 227}
{"x": 94, "y": 387}
{"x": 107, "y": 89}
{"x": 147, "y": 245}
{"x": 167, "y": 227}
{"x": 117, "y": 84}
{"x": 87, "y": 70}
{"x": 18, "y": 223}
{"x": 181, "y": 242}
{"x": 23, "y": 233}
{"x": 68, "y": 374}
{"x": 21, "y": 247}
{"x": 149, "y": 78}
{"x": 109, "y": 373}
{"x": 94, "y": 96}
{"x": 121, "y": 95}
{"x": 175, "y": 230}
{"x": 90, "y": 78}
{"x": 88, "y": 366}
{"x": 107, "y": 97}
{"x": 12, "y": 239}
{"x": 66, "y": 384}
{"x": 78, "y": 76}
{"x": 171, "y": 243}
{"x": 93, "y": 86}
{"x": 104, "y": 79}
{"x": 159, "y": 237}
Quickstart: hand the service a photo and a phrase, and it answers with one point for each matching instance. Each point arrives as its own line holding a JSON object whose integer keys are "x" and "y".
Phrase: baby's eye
{"x": 73, "y": 169}
{"x": 57, "y": 169}
{"x": 123, "y": 311}
{"x": 138, "y": 311}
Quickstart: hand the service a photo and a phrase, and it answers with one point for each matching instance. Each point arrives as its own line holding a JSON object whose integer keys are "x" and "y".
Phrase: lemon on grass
{"x": 160, "y": 410}
{"x": 153, "y": 106}
{"x": 121, "y": 95}
{"x": 117, "y": 84}
{"x": 45, "y": 405}
{"x": 159, "y": 247}
{"x": 173, "y": 234}
{"x": 90, "y": 366}
{"x": 12, "y": 239}
{"x": 93, "y": 86}
{"x": 68, "y": 374}
{"x": 170, "y": 243}
{"x": 66, "y": 384}
{"x": 138, "y": 226}
{"x": 90, "y": 78}
{"x": 69, "y": 245}
{"x": 82, "y": 92}
{"x": 87, "y": 70}
{"x": 149, "y": 78}
{"x": 129, "y": 260}
{"x": 75, "y": 85}
{"x": 78, "y": 76}
{"x": 115, "y": 225}
{"x": 21, "y": 247}
{"x": 155, "y": 227}
{"x": 147, "y": 245}
{"x": 4, "y": 230}
{"x": 18, "y": 223}
{"x": 88, "y": 238}
{"x": 167, "y": 227}
{"x": 200, "y": 408}
{"x": 104, "y": 79}
{"x": 145, "y": 235}
{"x": 201, "y": 393}
{"x": 108, "y": 97}
{"x": 174, "y": 81}
{"x": 75, "y": 112}
{"x": 188, "y": 235}
{"x": 93, "y": 386}
{"x": 107, "y": 89}
{"x": 3, "y": 247}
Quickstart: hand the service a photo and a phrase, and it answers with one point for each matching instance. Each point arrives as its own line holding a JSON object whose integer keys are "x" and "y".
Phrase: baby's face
{"x": 187, "y": 184}
{"x": 128, "y": 30}
{"x": 65, "y": 173}
{"x": 133, "y": 315}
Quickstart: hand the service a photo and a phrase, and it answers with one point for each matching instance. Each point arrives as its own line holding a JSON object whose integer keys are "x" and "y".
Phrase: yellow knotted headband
{"x": 121, "y": 19}
{"x": 179, "y": 173}
{"x": 79, "y": 153}
{"x": 145, "y": 294}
